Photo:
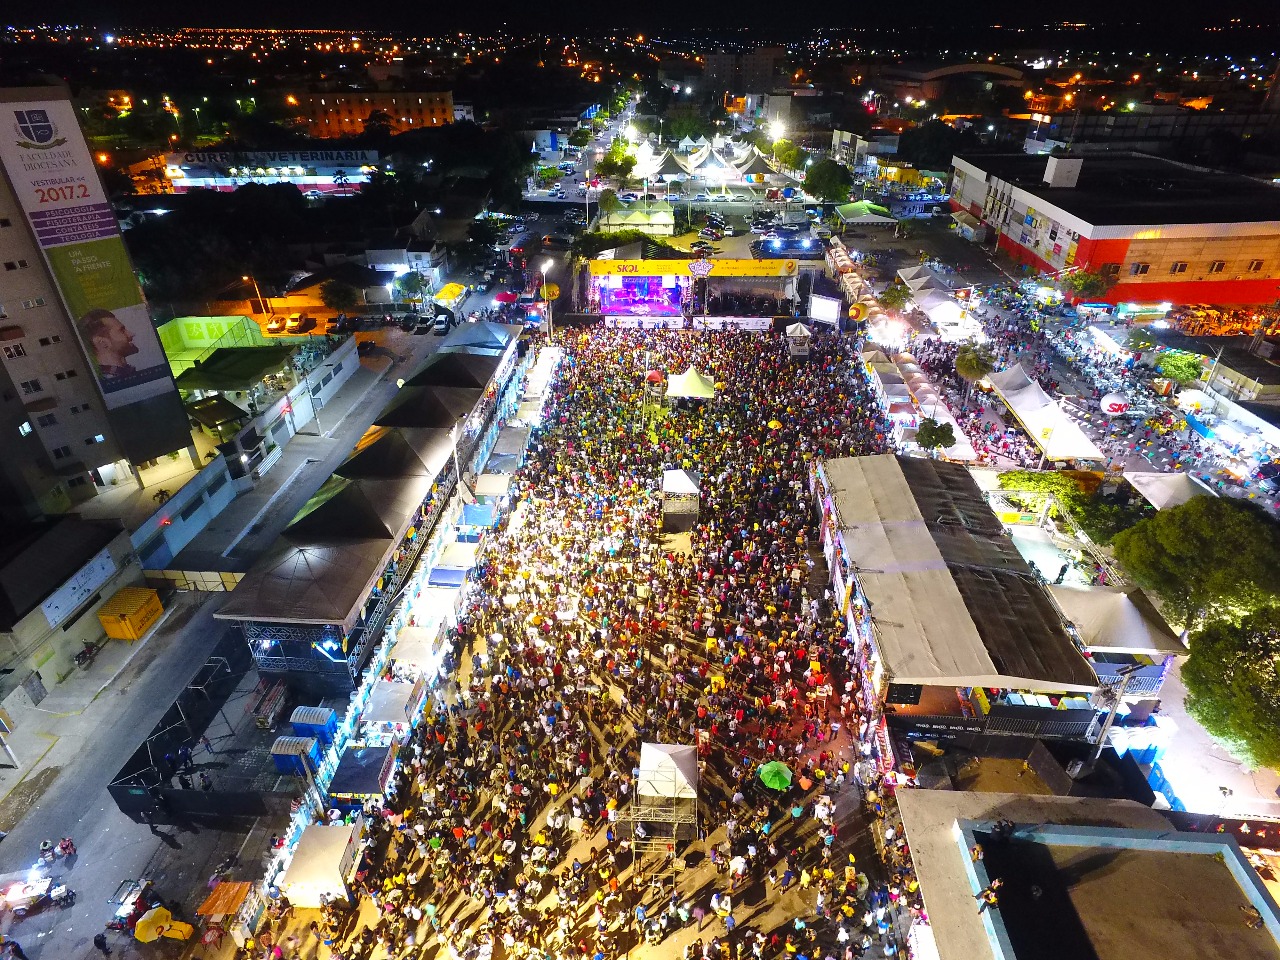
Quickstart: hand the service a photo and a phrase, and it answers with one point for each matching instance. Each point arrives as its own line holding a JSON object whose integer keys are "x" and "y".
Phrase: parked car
{"x": 296, "y": 323}
{"x": 444, "y": 323}
{"x": 722, "y": 198}
{"x": 276, "y": 324}
{"x": 700, "y": 198}
{"x": 700, "y": 246}
{"x": 711, "y": 233}
{"x": 628, "y": 197}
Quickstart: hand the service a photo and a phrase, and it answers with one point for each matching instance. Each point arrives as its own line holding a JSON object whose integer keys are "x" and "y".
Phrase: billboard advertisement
{"x": 54, "y": 180}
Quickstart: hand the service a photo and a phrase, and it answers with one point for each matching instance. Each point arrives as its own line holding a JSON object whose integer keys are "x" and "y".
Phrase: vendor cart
{"x": 21, "y": 898}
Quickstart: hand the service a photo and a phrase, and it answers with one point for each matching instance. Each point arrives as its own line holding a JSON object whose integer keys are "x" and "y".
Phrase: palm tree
{"x": 608, "y": 204}
{"x": 973, "y": 362}
{"x": 340, "y": 179}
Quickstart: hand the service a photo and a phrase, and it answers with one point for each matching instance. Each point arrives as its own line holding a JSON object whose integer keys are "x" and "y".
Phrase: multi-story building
{"x": 1164, "y": 232}
{"x": 1148, "y": 127}
{"x": 332, "y": 114}
{"x": 753, "y": 71}
{"x": 86, "y": 394}
{"x": 313, "y": 170}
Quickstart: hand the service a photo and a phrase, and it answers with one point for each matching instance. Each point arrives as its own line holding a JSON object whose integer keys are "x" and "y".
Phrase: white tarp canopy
{"x": 458, "y": 555}
{"x": 419, "y": 646}
{"x": 684, "y": 482}
{"x": 921, "y": 284}
{"x": 691, "y": 384}
{"x": 1165, "y": 490}
{"x": 388, "y": 703}
{"x": 322, "y": 863}
{"x": 668, "y": 771}
{"x": 493, "y": 484}
{"x": 1052, "y": 430}
{"x": 798, "y": 330}
{"x": 1115, "y": 621}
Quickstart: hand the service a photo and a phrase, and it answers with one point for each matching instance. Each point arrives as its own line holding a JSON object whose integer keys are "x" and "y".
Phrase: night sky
{"x": 1158, "y": 17}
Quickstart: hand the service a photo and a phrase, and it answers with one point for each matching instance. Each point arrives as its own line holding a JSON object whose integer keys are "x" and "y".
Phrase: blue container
{"x": 318, "y": 722}
{"x": 296, "y": 756}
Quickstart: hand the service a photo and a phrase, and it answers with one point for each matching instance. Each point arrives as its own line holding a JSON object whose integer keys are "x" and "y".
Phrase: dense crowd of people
{"x": 591, "y": 631}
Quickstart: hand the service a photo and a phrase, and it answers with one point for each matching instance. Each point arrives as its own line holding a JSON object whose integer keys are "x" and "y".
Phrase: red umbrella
{"x": 506, "y": 296}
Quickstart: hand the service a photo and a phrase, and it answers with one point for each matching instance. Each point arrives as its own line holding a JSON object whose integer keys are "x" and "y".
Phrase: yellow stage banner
{"x": 693, "y": 268}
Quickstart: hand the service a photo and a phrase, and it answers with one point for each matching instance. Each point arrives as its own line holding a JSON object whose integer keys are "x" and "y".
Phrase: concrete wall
{"x": 34, "y": 645}
{"x": 164, "y": 534}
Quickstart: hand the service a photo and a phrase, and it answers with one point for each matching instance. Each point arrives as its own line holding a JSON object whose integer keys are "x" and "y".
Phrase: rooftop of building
{"x": 1082, "y": 879}
{"x": 1131, "y": 188}
{"x": 953, "y": 601}
{"x": 35, "y": 561}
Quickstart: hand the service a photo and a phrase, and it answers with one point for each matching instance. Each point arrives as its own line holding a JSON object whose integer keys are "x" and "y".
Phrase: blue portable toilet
{"x": 318, "y": 722}
{"x": 296, "y": 756}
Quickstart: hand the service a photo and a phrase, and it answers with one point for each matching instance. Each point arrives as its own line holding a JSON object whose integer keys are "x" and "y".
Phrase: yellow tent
{"x": 449, "y": 293}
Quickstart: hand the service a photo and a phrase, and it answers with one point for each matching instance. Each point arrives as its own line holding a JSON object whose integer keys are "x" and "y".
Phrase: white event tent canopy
{"x": 668, "y": 771}
{"x": 1049, "y": 427}
{"x": 691, "y": 384}
{"x": 1165, "y": 490}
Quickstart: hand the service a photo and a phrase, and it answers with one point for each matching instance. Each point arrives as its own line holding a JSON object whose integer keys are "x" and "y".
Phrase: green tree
{"x": 411, "y": 285}
{"x": 1085, "y": 285}
{"x": 1233, "y": 688}
{"x": 616, "y": 165}
{"x": 608, "y": 203}
{"x": 339, "y": 296}
{"x": 378, "y": 124}
{"x": 1181, "y": 367}
{"x": 1208, "y": 558}
{"x": 828, "y": 181}
{"x": 931, "y": 435}
{"x": 895, "y": 296}
{"x": 787, "y": 154}
{"x": 973, "y": 362}
{"x": 580, "y": 137}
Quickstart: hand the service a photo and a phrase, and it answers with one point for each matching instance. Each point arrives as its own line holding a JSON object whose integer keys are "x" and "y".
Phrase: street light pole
{"x": 258, "y": 293}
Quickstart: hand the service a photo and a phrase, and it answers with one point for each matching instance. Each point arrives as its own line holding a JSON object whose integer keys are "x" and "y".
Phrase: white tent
{"x": 1115, "y": 621}
{"x": 1052, "y": 430}
{"x": 920, "y": 284}
{"x": 322, "y": 863}
{"x": 691, "y": 384}
{"x": 493, "y": 484}
{"x": 668, "y": 771}
{"x": 907, "y": 274}
{"x": 680, "y": 482}
{"x": 1165, "y": 490}
{"x": 389, "y": 702}
{"x": 798, "y": 330}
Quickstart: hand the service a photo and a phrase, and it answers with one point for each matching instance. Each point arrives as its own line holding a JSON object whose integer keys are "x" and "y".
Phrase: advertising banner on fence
{"x": 52, "y": 172}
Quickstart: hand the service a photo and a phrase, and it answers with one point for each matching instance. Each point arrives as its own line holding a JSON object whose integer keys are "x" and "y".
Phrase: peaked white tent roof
{"x": 687, "y": 144}
{"x": 669, "y": 771}
{"x": 1051, "y": 429}
{"x": 1165, "y": 490}
{"x": 1115, "y": 621}
{"x": 920, "y": 284}
{"x": 680, "y": 481}
{"x": 798, "y": 330}
{"x": 691, "y": 384}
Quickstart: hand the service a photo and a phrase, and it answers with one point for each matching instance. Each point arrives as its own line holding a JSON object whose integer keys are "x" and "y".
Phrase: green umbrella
{"x": 775, "y": 775}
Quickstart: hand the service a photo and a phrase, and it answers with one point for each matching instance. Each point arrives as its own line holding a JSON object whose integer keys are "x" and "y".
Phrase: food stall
{"x": 323, "y": 863}
{"x": 132, "y": 899}
{"x": 364, "y": 773}
{"x": 233, "y": 907}
{"x": 419, "y": 650}
{"x": 392, "y": 712}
